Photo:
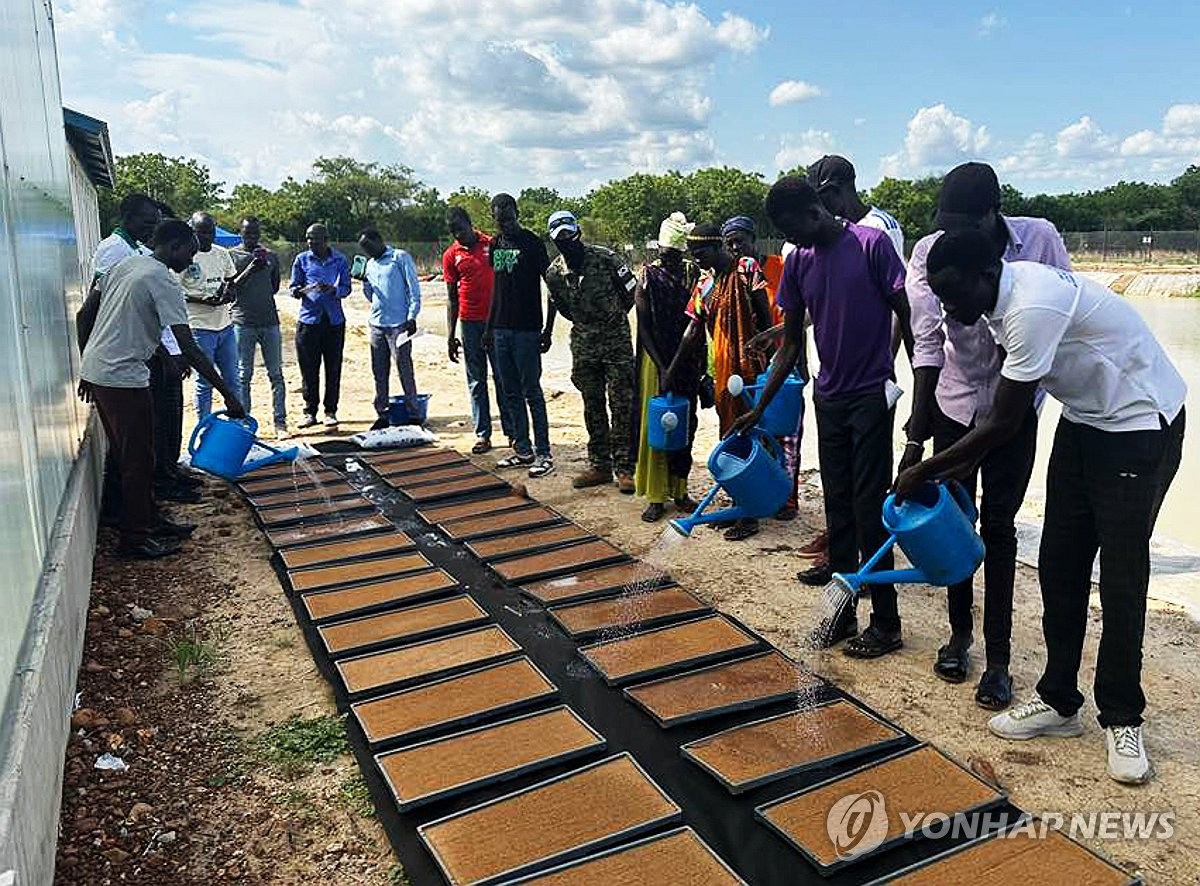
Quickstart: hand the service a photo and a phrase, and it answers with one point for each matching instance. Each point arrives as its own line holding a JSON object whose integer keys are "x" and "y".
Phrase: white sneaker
{"x": 331, "y": 420}
{"x": 281, "y": 432}
{"x": 1127, "y": 760}
{"x": 308, "y": 421}
{"x": 1032, "y": 719}
{"x": 543, "y": 467}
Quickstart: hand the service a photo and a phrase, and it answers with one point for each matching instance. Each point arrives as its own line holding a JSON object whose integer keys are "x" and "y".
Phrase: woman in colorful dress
{"x": 662, "y": 304}
{"x": 730, "y": 303}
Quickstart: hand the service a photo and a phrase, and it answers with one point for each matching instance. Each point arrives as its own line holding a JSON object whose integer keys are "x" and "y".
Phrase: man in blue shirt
{"x": 320, "y": 280}
{"x": 391, "y": 285}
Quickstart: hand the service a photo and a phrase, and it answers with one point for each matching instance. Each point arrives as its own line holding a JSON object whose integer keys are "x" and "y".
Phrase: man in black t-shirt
{"x": 514, "y": 329}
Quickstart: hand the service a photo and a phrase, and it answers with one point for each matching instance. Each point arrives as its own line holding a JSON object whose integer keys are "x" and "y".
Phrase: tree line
{"x": 349, "y": 195}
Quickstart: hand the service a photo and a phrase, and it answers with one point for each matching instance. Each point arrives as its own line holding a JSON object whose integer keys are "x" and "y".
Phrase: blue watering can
{"x": 749, "y": 467}
{"x": 667, "y": 417}
{"x": 781, "y": 418}
{"x": 936, "y": 530}
{"x": 220, "y": 445}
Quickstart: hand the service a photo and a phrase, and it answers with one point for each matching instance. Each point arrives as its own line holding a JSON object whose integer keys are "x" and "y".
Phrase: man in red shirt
{"x": 467, "y": 270}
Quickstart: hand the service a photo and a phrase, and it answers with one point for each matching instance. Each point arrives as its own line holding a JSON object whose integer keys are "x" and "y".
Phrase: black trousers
{"x": 317, "y": 345}
{"x": 166, "y": 391}
{"x": 127, "y": 416}
{"x": 1004, "y": 473}
{"x": 854, "y": 443}
{"x": 1103, "y": 492}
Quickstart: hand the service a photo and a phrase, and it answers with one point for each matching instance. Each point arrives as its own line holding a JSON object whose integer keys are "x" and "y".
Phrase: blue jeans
{"x": 221, "y": 348}
{"x": 476, "y": 361}
{"x": 270, "y": 339}
{"x": 519, "y": 368}
{"x": 384, "y": 353}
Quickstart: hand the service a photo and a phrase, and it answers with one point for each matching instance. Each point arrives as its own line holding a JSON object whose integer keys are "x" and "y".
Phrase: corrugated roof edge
{"x": 88, "y": 138}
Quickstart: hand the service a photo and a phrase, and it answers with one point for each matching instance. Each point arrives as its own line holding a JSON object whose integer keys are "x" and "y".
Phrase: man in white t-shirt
{"x": 209, "y": 304}
{"x": 1116, "y": 451}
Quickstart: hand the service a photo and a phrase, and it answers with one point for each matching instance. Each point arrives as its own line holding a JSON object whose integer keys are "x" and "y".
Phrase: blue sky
{"x": 570, "y": 93}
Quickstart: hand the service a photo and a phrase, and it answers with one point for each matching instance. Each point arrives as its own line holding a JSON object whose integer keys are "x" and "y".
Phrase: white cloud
{"x": 803, "y": 149}
{"x": 936, "y": 139}
{"x": 569, "y": 92}
{"x": 991, "y": 23}
{"x": 1084, "y": 140}
{"x": 791, "y": 92}
{"x": 1182, "y": 120}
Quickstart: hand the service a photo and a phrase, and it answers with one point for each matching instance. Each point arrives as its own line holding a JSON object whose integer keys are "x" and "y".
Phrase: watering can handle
{"x": 203, "y": 424}
{"x": 964, "y": 499}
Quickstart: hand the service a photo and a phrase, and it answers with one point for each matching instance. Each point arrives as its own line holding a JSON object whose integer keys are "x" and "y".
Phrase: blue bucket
{"x": 405, "y": 410}
{"x": 667, "y": 418}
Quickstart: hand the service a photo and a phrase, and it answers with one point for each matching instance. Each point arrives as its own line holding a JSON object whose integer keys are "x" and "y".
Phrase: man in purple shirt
{"x": 956, "y": 371}
{"x": 851, "y": 281}
{"x": 320, "y": 279}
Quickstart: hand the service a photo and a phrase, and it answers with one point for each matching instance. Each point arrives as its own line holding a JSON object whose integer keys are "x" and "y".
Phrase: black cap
{"x": 830, "y": 171}
{"x": 968, "y": 192}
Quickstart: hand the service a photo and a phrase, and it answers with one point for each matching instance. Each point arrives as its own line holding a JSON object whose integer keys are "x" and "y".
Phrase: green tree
{"x": 913, "y": 203}
{"x": 348, "y": 195}
{"x": 478, "y": 204}
{"x": 717, "y": 194}
{"x": 184, "y": 185}
{"x": 629, "y": 210}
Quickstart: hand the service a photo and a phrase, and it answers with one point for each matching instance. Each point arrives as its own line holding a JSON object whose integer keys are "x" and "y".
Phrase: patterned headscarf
{"x": 739, "y": 223}
{"x": 672, "y": 233}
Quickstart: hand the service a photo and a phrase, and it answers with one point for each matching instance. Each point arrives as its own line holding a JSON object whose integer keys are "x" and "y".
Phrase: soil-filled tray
{"x": 326, "y": 492}
{"x": 335, "y": 552}
{"x": 359, "y": 599}
{"x": 570, "y": 559}
{"x": 474, "y": 508}
{"x": 401, "y": 625}
{"x": 318, "y": 577}
{"x": 645, "y": 610}
{"x": 1031, "y": 860}
{"x": 627, "y": 577}
{"x": 454, "y": 488}
{"x": 454, "y": 701}
{"x": 291, "y": 482}
{"x": 440, "y": 474}
{"x": 524, "y": 542}
{"x": 318, "y": 532}
{"x": 589, "y": 808}
{"x": 394, "y": 455}
{"x": 428, "y": 460}
{"x": 913, "y": 782}
{"x": 721, "y": 689}
{"x": 751, "y": 755}
{"x": 319, "y": 510}
{"x": 677, "y": 856}
{"x": 441, "y": 768}
{"x": 425, "y": 660}
{"x": 470, "y": 528}
{"x": 654, "y": 652}
{"x": 287, "y": 472}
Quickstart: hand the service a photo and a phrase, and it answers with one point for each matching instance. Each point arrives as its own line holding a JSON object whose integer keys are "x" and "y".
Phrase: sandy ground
{"x": 755, "y": 582}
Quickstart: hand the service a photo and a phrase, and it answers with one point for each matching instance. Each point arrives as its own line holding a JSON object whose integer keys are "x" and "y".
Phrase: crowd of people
{"x": 987, "y": 310}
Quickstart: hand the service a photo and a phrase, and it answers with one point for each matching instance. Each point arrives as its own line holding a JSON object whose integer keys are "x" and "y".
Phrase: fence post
{"x": 1104, "y": 248}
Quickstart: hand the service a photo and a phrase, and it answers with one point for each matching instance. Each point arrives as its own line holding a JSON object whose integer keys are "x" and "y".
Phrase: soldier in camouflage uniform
{"x": 593, "y": 288}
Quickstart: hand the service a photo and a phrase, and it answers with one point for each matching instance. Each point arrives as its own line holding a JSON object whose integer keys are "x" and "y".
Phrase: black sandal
{"x": 994, "y": 692}
{"x": 653, "y": 513}
{"x": 954, "y": 660}
{"x": 872, "y": 643}
{"x": 742, "y": 530}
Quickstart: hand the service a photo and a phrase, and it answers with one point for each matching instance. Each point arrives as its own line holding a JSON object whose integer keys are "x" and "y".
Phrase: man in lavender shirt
{"x": 851, "y": 281}
{"x": 956, "y": 370}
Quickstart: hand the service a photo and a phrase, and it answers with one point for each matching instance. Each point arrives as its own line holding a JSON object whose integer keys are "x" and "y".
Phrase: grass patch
{"x": 231, "y": 750}
{"x": 294, "y": 746}
{"x": 355, "y": 796}
{"x": 397, "y": 877}
{"x": 191, "y": 653}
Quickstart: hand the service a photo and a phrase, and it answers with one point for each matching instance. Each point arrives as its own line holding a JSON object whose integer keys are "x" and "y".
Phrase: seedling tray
{"x": 676, "y": 856}
{"x": 557, "y": 562}
{"x": 423, "y": 450}
{"x": 434, "y": 474}
{"x": 287, "y": 472}
{"x": 401, "y": 625}
{"x": 622, "y": 613}
{"x": 398, "y": 466}
{"x": 740, "y": 685}
{"x": 755, "y": 754}
{"x": 328, "y": 492}
{"x": 655, "y": 652}
{"x": 506, "y": 546}
{"x": 471, "y": 528}
{"x": 476, "y": 507}
{"x": 1015, "y": 857}
{"x": 587, "y": 809}
{"x": 590, "y": 584}
{"x": 918, "y": 780}
{"x": 486, "y": 755}
{"x": 352, "y": 549}
{"x": 319, "y": 511}
{"x": 318, "y": 577}
{"x": 427, "y": 660}
{"x": 455, "y": 488}
{"x": 451, "y": 702}
{"x": 375, "y": 595}
{"x": 317, "y": 532}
